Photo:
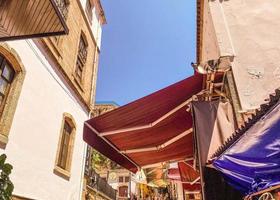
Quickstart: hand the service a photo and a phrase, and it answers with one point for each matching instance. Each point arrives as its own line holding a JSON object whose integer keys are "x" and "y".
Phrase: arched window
{"x": 12, "y": 75}
{"x": 7, "y": 74}
{"x": 65, "y": 146}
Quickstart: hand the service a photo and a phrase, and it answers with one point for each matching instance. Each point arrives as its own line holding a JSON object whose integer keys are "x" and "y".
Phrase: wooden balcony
{"x": 95, "y": 182}
{"x": 23, "y": 19}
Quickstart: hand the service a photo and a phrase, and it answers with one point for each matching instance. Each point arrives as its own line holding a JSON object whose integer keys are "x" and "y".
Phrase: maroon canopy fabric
{"x": 153, "y": 129}
{"x": 189, "y": 177}
{"x": 187, "y": 173}
{"x": 189, "y": 187}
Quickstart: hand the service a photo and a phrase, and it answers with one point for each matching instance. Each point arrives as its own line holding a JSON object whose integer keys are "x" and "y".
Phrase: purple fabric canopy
{"x": 252, "y": 163}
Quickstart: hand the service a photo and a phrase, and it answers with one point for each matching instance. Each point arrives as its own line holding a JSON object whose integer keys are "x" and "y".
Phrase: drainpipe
{"x": 95, "y": 71}
{"x": 83, "y": 171}
{"x": 83, "y": 164}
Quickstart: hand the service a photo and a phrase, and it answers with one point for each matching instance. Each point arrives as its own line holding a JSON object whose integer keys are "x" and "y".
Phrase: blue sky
{"x": 146, "y": 45}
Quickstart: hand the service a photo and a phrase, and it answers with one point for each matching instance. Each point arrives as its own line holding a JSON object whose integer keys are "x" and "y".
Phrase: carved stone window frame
{"x": 66, "y": 173}
{"x": 10, "y": 106}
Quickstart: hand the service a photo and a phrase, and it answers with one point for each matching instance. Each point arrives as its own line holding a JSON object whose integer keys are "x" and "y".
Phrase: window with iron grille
{"x": 81, "y": 59}
{"x": 127, "y": 179}
{"x": 7, "y": 74}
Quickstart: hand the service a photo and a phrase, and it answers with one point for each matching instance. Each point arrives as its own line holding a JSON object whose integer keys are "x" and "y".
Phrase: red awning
{"x": 184, "y": 172}
{"x": 189, "y": 177}
{"x": 156, "y": 128}
{"x": 189, "y": 187}
{"x": 188, "y": 174}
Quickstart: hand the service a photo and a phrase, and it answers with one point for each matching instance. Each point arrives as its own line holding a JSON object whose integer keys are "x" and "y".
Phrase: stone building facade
{"x": 47, "y": 90}
{"x": 120, "y": 179}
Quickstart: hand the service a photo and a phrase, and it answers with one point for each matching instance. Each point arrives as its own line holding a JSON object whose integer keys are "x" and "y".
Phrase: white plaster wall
{"x": 34, "y": 135}
{"x": 96, "y": 28}
{"x": 250, "y": 29}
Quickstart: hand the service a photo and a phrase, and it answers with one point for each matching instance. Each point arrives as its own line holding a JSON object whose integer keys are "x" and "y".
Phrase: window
{"x": 7, "y": 74}
{"x": 123, "y": 191}
{"x": 127, "y": 179}
{"x": 81, "y": 59}
{"x": 12, "y": 75}
{"x": 89, "y": 10}
{"x": 65, "y": 146}
{"x": 120, "y": 179}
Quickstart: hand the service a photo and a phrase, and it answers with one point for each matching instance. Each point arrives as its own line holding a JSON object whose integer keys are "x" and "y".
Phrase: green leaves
{"x": 6, "y": 186}
{"x": 7, "y": 168}
{"x": 2, "y": 160}
{"x": 101, "y": 162}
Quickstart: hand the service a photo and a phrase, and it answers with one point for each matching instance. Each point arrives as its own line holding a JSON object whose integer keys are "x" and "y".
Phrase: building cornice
{"x": 101, "y": 12}
{"x": 199, "y": 28}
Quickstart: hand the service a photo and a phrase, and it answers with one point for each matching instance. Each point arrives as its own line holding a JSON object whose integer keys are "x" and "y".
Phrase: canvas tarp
{"x": 214, "y": 124}
{"x": 252, "y": 163}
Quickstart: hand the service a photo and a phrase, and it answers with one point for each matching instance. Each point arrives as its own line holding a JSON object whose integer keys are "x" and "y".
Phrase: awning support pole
{"x": 195, "y": 181}
{"x": 188, "y": 182}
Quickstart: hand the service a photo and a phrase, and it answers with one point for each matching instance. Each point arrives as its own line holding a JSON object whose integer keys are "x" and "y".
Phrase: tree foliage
{"x": 6, "y": 186}
{"x": 101, "y": 162}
